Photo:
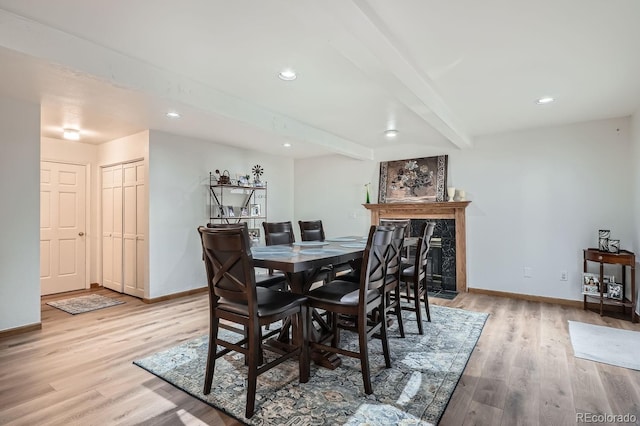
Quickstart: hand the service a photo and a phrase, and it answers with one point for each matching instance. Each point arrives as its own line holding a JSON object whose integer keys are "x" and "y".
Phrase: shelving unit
{"x": 624, "y": 258}
{"x": 231, "y": 203}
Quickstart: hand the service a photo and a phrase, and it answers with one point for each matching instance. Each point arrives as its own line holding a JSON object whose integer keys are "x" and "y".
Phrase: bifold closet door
{"x": 134, "y": 223}
{"x": 123, "y": 228}
{"x": 112, "y": 228}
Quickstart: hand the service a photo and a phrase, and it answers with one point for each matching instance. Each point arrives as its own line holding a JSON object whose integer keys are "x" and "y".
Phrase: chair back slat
{"x": 374, "y": 259}
{"x": 228, "y": 262}
{"x": 424, "y": 243}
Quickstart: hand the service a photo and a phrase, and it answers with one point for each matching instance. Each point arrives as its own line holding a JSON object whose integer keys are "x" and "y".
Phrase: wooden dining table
{"x": 302, "y": 263}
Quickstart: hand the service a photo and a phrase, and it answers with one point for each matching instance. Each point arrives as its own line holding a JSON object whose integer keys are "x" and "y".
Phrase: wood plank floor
{"x": 78, "y": 369}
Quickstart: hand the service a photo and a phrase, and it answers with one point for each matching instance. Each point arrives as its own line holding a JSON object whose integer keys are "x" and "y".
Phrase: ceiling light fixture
{"x": 391, "y": 133}
{"x": 545, "y": 100}
{"x": 71, "y": 134}
{"x": 287, "y": 75}
{"x": 173, "y": 114}
{"x": 286, "y": 145}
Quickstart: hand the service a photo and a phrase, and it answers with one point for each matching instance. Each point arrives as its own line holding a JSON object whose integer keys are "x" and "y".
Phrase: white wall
{"x": 178, "y": 199}
{"x": 20, "y": 213}
{"x": 538, "y": 198}
{"x": 635, "y": 185}
{"x": 84, "y": 154}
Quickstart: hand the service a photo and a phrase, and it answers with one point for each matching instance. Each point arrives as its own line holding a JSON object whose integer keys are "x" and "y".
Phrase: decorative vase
{"x": 451, "y": 192}
{"x": 368, "y": 200}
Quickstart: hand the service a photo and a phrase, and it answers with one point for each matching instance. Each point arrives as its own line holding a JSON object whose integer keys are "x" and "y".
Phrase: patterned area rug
{"x": 415, "y": 391}
{"x": 81, "y": 304}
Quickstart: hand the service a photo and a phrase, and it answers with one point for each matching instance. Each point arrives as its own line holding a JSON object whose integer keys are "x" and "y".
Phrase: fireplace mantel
{"x": 446, "y": 210}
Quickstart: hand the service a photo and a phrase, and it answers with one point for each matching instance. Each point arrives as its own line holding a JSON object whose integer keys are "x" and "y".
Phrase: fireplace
{"x": 450, "y": 228}
{"x": 441, "y": 268}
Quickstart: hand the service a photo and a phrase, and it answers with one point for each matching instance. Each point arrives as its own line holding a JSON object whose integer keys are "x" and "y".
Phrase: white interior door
{"x": 112, "y": 228}
{"x": 133, "y": 228}
{"x": 62, "y": 227}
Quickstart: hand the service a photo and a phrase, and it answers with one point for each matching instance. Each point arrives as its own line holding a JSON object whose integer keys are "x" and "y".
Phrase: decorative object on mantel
{"x": 451, "y": 192}
{"x": 368, "y": 200}
{"x": 224, "y": 178}
{"x": 257, "y": 172}
{"x": 417, "y": 180}
{"x": 614, "y": 246}
{"x": 603, "y": 239}
{"x": 461, "y": 195}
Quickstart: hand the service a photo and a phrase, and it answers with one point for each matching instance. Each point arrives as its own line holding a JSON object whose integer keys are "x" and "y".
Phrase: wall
{"x": 20, "y": 213}
{"x": 178, "y": 200}
{"x": 85, "y": 154}
{"x": 538, "y": 198}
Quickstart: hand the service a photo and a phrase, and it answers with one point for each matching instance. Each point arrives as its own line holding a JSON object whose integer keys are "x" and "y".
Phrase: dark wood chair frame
{"x": 331, "y": 299}
{"x": 394, "y": 268}
{"x": 415, "y": 277}
{"x": 234, "y": 297}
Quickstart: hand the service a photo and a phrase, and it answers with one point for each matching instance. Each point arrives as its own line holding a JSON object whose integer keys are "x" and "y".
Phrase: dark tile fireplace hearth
{"x": 442, "y": 254}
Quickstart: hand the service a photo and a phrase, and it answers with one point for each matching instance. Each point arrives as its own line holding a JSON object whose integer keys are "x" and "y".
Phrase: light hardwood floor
{"x": 78, "y": 369}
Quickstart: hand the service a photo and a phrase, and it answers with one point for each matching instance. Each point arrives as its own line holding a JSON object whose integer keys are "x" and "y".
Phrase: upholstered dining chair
{"x": 415, "y": 276}
{"x": 235, "y": 297}
{"x": 271, "y": 279}
{"x": 278, "y": 233}
{"x": 358, "y": 300}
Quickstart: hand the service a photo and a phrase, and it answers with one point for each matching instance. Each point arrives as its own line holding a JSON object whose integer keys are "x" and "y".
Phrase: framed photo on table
{"x": 255, "y": 209}
{"x": 614, "y": 291}
{"x": 590, "y": 284}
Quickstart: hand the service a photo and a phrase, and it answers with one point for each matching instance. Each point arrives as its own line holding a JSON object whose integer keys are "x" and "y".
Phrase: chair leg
{"x": 398, "y": 309}
{"x": 254, "y": 345}
{"x": 426, "y": 303}
{"x": 364, "y": 355}
{"x": 383, "y": 334}
{"x": 416, "y": 304}
{"x": 211, "y": 355}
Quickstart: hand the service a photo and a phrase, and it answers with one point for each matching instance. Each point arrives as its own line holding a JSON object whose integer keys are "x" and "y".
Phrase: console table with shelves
{"x": 625, "y": 259}
{"x": 231, "y": 203}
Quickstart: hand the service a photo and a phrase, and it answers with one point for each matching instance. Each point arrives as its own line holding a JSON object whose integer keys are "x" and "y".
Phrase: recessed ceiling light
{"x": 391, "y": 133}
{"x": 71, "y": 134}
{"x": 286, "y": 145}
{"x": 287, "y": 75}
{"x": 173, "y": 114}
{"x": 545, "y": 100}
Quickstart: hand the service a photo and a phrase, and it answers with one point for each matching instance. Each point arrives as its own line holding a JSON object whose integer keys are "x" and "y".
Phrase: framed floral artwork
{"x": 417, "y": 180}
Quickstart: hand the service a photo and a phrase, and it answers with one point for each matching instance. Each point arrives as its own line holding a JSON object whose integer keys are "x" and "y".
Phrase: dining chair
{"x": 406, "y": 223}
{"x": 358, "y": 300}
{"x": 415, "y": 276}
{"x": 312, "y": 230}
{"x": 278, "y": 233}
{"x": 270, "y": 279}
{"x": 235, "y": 297}
{"x": 391, "y": 289}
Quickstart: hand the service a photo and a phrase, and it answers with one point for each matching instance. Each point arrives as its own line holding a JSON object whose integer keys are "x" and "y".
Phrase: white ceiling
{"x": 442, "y": 72}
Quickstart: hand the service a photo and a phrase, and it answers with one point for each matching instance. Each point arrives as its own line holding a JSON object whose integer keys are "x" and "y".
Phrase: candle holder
{"x": 451, "y": 192}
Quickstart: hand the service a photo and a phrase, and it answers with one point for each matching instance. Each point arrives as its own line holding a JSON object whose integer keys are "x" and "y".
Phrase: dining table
{"x": 303, "y": 263}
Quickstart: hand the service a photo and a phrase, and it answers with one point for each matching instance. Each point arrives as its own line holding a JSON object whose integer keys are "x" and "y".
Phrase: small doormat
{"x": 443, "y": 294}
{"x": 608, "y": 345}
{"x": 82, "y": 304}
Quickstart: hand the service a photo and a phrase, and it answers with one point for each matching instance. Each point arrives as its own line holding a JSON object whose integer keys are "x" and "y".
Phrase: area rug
{"x": 415, "y": 391}
{"x": 81, "y": 304}
{"x": 443, "y": 294}
{"x": 608, "y": 345}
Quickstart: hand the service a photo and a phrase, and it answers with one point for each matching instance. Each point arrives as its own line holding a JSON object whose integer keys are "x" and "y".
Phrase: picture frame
{"x": 231, "y": 212}
{"x": 417, "y": 180}
{"x": 615, "y": 291}
{"x": 244, "y": 211}
{"x": 254, "y": 234}
{"x": 590, "y": 284}
{"x": 255, "y": 209}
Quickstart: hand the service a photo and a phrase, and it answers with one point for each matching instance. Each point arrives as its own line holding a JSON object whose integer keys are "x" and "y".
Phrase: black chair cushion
{"x": 408, "y": 272}
{"x": 277, "y": 279}
{"x": 342, "y": 292}
{"x": 270, "y": 302}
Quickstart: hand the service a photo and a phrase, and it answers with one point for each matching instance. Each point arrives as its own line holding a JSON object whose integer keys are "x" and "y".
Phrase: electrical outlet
{"x": 528, "y": 272}
{"x": 564, "y": 276}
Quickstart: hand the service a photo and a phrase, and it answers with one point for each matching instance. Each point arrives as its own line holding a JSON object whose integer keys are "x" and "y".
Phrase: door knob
{"x": 81, "y": 233}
